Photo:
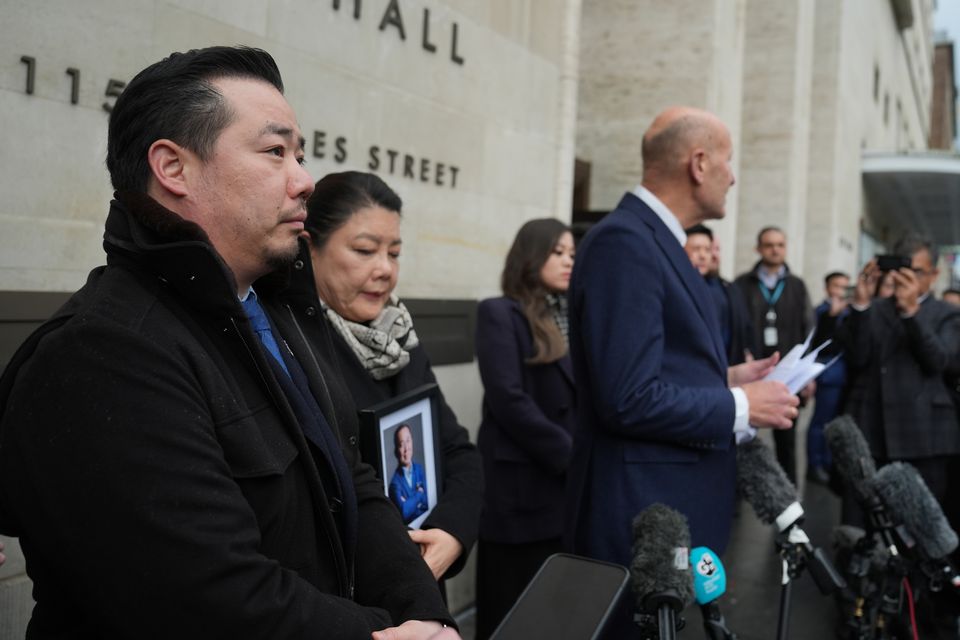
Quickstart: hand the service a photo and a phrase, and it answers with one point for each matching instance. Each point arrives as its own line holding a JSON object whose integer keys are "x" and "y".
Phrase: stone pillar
{"x": 774, "y": 149}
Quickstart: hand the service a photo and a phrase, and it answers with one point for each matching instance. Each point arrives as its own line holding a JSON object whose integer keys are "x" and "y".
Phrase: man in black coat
{"x": 171, "y": 461}
{"x": 898, "y": 351}
{"x": 781, "y": 316}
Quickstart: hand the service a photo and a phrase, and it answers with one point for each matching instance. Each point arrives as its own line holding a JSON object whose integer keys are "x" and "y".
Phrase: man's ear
{"x": 168, "y": 162}
{"x": 698, "y": 166}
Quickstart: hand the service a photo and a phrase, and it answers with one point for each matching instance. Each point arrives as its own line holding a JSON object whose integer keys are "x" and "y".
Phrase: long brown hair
{"x": 521, "y": 281}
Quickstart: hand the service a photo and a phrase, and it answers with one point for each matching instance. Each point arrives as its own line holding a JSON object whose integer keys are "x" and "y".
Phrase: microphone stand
{"x": 664, "y": 621}
{"x": 714, "y": 624}
{"x": 797, "y": 553}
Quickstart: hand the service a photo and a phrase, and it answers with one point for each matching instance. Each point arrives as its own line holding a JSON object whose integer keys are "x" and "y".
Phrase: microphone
{"x": 660, "y": 569}
{"x": 903, "y": 492}
{"x": 763, "y": 483}
{"x": 709, "y": 576}
{"x": 709, "y": 583}
{"x": 854, "y": 463}
{"x": 852, "y": 459}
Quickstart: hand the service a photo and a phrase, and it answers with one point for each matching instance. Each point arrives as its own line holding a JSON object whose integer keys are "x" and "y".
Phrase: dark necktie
{"x": 314, "y": 424}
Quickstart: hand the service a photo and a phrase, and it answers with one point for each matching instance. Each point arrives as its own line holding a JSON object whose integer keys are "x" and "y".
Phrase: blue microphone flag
{"x": 709, "y": 577}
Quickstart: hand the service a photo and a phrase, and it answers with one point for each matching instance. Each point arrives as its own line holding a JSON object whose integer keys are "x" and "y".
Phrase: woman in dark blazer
{"x": 528, "y": 416}
{"x": 344, "y": 281}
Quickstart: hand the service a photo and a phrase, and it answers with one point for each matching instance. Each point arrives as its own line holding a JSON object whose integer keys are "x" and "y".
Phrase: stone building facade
{"x": 474, "y": 111}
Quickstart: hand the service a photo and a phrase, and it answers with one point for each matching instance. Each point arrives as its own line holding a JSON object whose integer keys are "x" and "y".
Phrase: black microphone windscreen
{"x": 908, "y": 500}
{"x": 661, "y": 555}
{"x": 852, "y": 459}
{"x": 763, "y": 483}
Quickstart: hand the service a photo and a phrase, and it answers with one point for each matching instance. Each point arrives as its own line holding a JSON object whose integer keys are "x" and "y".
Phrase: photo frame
{"x": 406, "y": 428}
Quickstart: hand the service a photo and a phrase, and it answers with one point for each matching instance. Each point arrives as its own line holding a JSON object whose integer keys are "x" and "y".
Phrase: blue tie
{"x": 260, "y": 324}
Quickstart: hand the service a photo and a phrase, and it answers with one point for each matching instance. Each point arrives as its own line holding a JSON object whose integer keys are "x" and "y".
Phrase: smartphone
{"x": 893, "y": 263}
{"x": 849, "y": 292}
{"x": 569, "y": 598}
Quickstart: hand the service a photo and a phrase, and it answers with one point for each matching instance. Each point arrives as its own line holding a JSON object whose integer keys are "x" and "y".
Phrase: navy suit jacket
{"x": 655, "y": 416}
{"x": 527, "y": 431}
{"x": 412, "y": 501}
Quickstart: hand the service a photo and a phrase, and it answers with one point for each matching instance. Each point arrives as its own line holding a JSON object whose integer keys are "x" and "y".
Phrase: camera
{"x": 893, "y": 263}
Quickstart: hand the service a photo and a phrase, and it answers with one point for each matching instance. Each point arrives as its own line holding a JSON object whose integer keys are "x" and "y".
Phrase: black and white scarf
{"x": 382, "y": 346}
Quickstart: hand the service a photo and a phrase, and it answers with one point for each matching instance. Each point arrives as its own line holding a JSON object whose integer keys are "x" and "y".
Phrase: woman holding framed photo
{"x": 526, "y": 436}
{"x": 344, "y": 279}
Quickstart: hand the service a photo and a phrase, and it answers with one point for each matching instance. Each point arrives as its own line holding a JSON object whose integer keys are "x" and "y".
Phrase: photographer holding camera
{"x": 897, "y": 351}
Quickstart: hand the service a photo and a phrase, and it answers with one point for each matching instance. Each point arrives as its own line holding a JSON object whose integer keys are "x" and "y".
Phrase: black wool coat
{"x": 158, "y": 479}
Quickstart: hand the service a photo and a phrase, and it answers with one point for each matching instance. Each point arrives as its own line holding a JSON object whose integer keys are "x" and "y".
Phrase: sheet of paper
{"x": 797, "y": 370}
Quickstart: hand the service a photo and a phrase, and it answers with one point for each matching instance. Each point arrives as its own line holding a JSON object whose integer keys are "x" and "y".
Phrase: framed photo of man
{"x": 399, "y": 438}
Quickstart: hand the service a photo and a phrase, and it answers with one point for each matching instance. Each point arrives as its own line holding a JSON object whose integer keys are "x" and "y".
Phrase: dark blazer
{"x": 737, "y": 320}
{"x": 458, "y": 510}
{"x": 899, "y": 397}
{"x": 527, "y": 430}
{"x": 655, "y": 416}
{"x": 145, "y": 416}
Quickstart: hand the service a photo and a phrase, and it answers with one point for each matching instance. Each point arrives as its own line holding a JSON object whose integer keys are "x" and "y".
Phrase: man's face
{"x": 719, "y": 175}
{"x": 250, "y": 194}
{"x": 404, "y": 447}
{"x": 772, "y": 249}
{"x": 699, "y": 249}
{"x": 922, "y": 266}
{"x": 837, "y": 287}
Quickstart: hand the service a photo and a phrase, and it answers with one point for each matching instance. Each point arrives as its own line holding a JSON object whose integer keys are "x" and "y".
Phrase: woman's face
{"x": 357, "y": 269}
{"x": 555, "y": 272}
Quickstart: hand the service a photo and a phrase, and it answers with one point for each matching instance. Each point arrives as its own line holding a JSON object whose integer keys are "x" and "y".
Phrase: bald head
{"x": 674, "y": 134}
{"x": 686, "y": 163}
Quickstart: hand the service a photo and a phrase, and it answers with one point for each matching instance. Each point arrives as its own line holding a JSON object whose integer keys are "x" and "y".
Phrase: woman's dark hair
{"x": 521, "y": 281}
{"x": 174, "y": 99}
{"x": 338, "y": 196}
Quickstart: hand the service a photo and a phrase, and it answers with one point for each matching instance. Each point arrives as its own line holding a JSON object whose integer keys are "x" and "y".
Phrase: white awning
{"x": 915, "y": 191}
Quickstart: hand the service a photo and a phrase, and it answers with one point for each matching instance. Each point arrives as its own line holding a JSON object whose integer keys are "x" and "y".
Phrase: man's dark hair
{"x": 337, "y": 196}
{"x": 700, "y": 229}
{"x": 174, "y": 99}
{"x": 834, "y": 274}
{"x": 767, "y": 230}
{"x": 912, "y": 242}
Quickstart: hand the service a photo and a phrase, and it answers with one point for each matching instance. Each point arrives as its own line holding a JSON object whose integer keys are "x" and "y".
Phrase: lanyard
{"x": 777, "y": 292}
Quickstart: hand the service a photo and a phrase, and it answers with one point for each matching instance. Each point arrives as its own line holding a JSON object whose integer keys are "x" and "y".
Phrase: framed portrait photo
{"x": 400, "y": 439}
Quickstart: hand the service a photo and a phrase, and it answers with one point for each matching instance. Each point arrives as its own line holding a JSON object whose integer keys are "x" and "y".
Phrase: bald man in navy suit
{"x": 659, "y": 410}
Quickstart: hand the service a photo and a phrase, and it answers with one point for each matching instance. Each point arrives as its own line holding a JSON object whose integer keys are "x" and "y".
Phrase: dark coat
{"x": 144, "y": 417}
{"x": 794, "y": 311}
{"x": 899, "y": 397}
{"x": 458, "y": 510}
{"x": 737, "y": 320}
{"x": 655, "y": 416}
{"x": 527, "y": 430}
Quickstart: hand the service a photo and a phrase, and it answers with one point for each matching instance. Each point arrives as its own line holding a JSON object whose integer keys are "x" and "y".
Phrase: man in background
{"x": 830, "y": 384}
{"x": 900, "y": 349}
{"x": 735, "y": 326}
{"x": 781, "y": 316}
